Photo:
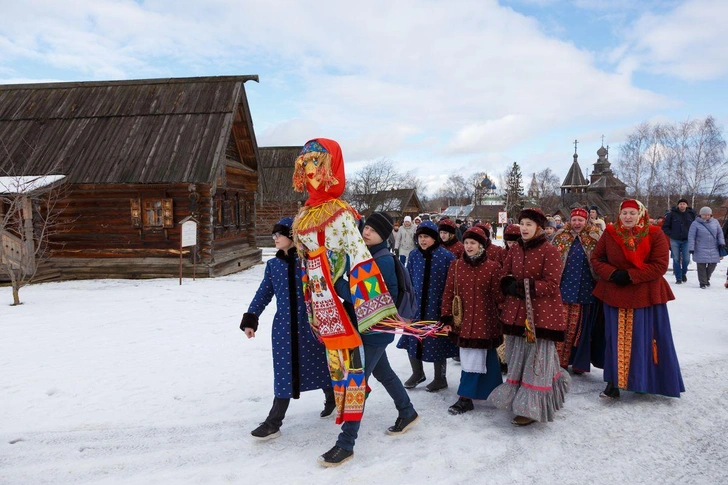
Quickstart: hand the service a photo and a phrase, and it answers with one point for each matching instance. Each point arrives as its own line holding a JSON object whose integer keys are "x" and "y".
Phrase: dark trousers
{"x": 280, "y": 406}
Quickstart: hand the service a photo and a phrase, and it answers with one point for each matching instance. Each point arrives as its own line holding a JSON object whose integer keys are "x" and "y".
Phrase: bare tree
{"x": 376, "y": 177}
{"x": 30, "y": 215}
{"x": 457, "y": 190}
{"x": 705, "y": 158}
{"x": 547, "y": 185}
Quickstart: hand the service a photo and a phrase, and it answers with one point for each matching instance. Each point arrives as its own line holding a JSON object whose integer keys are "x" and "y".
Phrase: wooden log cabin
{"x": 276, "y": 197}
{"x": 140, "y": 156}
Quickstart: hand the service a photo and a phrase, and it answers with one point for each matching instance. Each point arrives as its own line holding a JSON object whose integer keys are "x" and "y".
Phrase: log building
{"x": 140, "y": 156}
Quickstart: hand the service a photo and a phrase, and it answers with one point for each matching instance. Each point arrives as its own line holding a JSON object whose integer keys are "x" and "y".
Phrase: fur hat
{"x": 382, "y": 223}
{"x": 683, "y": 200}
{"x": 448, "y": 226}
{"x": 429, "y": 228}
{"x": 535, "y": 214}
{"x": 484, "y": 228}
{"x": 477, "y": 234}
{"x": 284, "y": 227}
{"x": 512, "y": 232}
{"x": 706, "y": 211}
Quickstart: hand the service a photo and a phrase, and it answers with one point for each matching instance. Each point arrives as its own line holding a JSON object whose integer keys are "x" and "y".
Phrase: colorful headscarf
{"x": 633, "y": 241}
{"x": 326, "y": 155}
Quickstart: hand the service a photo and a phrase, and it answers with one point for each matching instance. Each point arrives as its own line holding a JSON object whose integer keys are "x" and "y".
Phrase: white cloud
{"x": 432, "y": 84}
{"x": 687, "y": 42}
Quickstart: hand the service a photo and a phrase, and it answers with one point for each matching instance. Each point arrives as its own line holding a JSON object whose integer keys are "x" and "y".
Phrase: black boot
{"x": 610, "y": 392}
{"x": 463, "y": 405}
{"x": 440, "y": 380}
{"x": 330, "y": 403}
{"x": 418, "y": 374}
{"x": 272, "y": 424}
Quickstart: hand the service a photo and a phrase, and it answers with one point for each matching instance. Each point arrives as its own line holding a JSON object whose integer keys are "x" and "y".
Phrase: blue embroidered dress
{"x": 428, "y": 270}
{"x": 299, "y": 359}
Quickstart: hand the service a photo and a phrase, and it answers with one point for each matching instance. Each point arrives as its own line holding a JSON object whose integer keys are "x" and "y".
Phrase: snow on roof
{"x": 26, "y": 184}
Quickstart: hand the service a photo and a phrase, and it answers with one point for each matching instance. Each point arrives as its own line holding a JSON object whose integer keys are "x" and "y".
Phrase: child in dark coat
{"x": 299, "y": 359}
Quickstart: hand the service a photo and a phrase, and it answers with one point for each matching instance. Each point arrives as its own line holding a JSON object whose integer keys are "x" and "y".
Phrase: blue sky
{"x": 437, "y": 87}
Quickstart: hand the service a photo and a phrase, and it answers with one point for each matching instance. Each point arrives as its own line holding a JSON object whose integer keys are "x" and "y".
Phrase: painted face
{"x": 310, "y": 168}
{"x": 628, "y": 217}
{"x": 370, "y": 236}
{"x": 528, "y": 228}
{"x": 593, "y": 214}
{"x": 682, "y": 206}
{"x": 425, "y": 241}
{"x": 471, "y": 246}
{"x": 445, "y": 236}
{"x": 282, "y": 242}
{"x": 578, "y": 223}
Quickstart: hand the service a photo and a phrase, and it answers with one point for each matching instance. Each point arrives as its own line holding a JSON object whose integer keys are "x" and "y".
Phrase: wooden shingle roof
{"x": 276, "y": 174}
{"x": 138, "y": 131}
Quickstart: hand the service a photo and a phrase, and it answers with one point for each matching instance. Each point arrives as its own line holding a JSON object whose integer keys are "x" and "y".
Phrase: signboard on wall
{"x": 502, "y": 217}
{"x": 189, "y": 234}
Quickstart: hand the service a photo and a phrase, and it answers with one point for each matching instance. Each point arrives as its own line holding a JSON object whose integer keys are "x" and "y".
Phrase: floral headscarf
{"x": 326, "y": 155}
{"x": 633, "y": 241}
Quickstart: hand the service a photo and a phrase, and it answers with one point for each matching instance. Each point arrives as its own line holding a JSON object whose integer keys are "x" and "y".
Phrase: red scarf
{"x": 635, "y": 242}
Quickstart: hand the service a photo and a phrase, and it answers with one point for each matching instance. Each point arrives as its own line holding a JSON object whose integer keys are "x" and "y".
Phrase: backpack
{"x": 406, "y": 301}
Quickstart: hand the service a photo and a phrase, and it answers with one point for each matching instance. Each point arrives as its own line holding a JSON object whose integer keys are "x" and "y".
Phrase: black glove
{"x": 620, "y": 277}
{"x": 508, "y": 285}
{"x": 521, "y": 290}
{"x": 250, "y": 320}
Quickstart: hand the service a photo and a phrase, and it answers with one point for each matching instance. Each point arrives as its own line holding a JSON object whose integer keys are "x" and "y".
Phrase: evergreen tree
{"x": 514, "y": 191}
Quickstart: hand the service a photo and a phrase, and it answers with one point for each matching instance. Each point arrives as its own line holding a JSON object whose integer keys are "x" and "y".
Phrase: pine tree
{"x": 514, "y": 191}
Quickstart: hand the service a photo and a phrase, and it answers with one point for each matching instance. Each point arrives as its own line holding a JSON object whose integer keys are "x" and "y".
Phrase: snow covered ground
{"x": 149, "y": 382}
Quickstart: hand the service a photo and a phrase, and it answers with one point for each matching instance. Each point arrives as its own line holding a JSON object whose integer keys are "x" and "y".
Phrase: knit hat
{"x": 407, "y": 219}
{"x": 429, "y": 228}
{"x": 706, "y": 211}
{"x": 477, "y": 234}
{"x": 284, "y": 227}
{"x": 448, "y": 226}
{"x": 535, "y": 214}
{"x": 578, "y": 211}
{"x": 512, "y": 232}
{"x": 683, "y": 200}
{"x": 484, "y": 228}
{"x": 551, "y": 223}
{"x": 382, "y": 223}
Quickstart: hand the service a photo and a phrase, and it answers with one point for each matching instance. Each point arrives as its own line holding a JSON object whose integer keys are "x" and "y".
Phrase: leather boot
{"x": 418, "y": 374}
{"x": 611, "y": 391}
{"x": 330, "y": 403}
{"x": 440, "y": 380}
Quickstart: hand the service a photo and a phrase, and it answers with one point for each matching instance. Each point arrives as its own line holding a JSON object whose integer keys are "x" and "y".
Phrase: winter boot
{"x": 440, "y": 380}
{"x": 329, "y": 404}
{"x": 401, "y": 425}
{"x": 610, "y": 392}
{"x": 418, "y": 374}
{"x": 463, "y": 405}
{"x": 265, "y": 431}
{"x": 335, "y": 457}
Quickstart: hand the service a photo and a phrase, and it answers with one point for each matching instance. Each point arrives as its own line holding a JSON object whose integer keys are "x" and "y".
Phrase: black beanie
{"x": 683, "y": 200}
{"x": 382, "y": 223}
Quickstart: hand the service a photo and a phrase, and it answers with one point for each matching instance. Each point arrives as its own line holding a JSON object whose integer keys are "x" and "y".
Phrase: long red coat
{"x": 478, "y": 285}
{"x": 648, "y": 287}
{"x": 455, "y": 247}
{"x": 539, "y": 261}
{"x": 495, "y": 253}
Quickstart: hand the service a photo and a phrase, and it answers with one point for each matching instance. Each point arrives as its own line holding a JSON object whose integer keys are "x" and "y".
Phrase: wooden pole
{"x": 194, "y": 262}
{"x": 180, "y": 263}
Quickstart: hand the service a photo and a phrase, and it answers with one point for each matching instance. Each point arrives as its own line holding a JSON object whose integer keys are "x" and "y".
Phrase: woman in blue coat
{"x": 299, "y": 359}
{"x": 427, "y": 266}
{"x": 704, "y": 237}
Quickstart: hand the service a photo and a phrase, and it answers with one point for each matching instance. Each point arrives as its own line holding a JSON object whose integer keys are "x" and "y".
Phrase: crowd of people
{"x": 559, "y": 298}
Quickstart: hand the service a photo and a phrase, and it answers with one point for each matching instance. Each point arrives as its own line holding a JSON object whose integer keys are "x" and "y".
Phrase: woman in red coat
{"x": 475, "y": 280}
{"x": 533, "y": 320}
{"x": 630, "y": 260}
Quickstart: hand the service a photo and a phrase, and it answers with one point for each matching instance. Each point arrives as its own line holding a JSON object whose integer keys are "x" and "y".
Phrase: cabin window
{"x": 155, "y": 213}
